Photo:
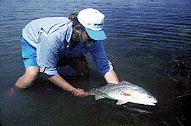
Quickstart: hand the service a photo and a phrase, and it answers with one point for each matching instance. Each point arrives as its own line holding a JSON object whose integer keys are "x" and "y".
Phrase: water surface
{"x": 141, "y": 36}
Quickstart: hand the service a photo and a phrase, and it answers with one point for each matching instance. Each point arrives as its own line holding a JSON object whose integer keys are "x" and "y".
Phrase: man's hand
{"x": 79, "y": 92}
{"x": 58, "y": 80}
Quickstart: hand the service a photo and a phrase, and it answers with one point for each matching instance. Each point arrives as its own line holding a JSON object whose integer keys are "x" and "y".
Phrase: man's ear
{"x": 78, "y": 27}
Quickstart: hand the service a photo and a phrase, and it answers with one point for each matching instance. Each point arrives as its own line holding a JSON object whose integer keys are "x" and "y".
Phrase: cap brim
{"x": 96, "y": 35}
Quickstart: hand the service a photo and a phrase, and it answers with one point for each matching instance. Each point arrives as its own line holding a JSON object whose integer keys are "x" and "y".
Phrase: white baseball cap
{"x": 93, "y": 21}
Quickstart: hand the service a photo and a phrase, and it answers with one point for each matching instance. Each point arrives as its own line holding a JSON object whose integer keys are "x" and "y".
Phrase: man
{"x": 48, "y": 42}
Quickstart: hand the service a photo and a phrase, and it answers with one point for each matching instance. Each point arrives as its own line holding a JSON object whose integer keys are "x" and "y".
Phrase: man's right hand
{"x": 79, "y": 92}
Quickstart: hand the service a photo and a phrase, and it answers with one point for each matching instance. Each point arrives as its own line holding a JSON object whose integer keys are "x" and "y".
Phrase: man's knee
{"x": 82, "y": 70}
{"x": 82, "y": 73}
{"x": 32, "y": 72}
{"x": 28, "y": 78}
{"x": 80, "y": 64}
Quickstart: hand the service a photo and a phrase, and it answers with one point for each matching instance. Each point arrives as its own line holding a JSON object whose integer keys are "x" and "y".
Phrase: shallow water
{"x": 141, "y": 37}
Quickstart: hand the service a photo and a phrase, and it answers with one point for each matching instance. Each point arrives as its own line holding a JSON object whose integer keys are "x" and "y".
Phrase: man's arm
{"x": 102, "y": 63}
{"x": 111, "y": 77}
{"x": 58, "y": 80}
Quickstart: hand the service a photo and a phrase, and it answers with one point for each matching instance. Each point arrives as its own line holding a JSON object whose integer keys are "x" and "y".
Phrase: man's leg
{"x": 80, "y": 64}
{"x": 24, "y": 81}
{"x": 31, "y": 67}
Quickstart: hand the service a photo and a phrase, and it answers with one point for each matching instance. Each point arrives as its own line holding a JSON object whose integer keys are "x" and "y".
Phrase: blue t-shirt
{"x": 51, "y": 38}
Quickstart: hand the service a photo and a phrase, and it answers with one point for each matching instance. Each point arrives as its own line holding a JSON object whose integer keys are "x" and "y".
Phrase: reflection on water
{"x": 143, "y": 39}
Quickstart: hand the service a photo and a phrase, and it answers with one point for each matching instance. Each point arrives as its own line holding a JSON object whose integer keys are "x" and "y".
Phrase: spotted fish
{"x": 124, "y": 92}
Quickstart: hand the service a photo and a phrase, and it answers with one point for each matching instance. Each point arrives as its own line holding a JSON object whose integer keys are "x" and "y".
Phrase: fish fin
{"x": 125, "y": 94}
{"x": 97, "y": 97}
{"x": 121, "y": 102}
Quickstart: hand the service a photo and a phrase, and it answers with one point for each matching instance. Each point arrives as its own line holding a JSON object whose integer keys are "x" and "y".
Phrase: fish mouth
{"x": 155, "y": 100}
{"x": 150, "y": 102}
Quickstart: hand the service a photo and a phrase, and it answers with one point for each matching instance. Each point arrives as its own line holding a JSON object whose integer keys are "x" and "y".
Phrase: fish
{"x": 124, "y": 92}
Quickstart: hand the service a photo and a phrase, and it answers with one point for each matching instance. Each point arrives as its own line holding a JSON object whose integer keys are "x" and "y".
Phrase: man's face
{"x": 82, "y": 36}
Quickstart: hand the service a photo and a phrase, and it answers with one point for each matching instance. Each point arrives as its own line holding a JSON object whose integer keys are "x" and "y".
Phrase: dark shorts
{"x": 28, "y": 53}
